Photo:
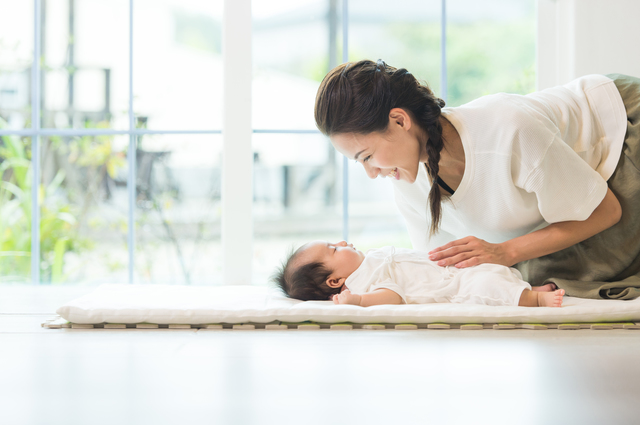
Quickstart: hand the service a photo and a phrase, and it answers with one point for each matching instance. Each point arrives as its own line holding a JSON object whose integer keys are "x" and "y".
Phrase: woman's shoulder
{"x": 495, "y": 108}
{"x": 496, "y": 123}
{"x": 500, "y": 113}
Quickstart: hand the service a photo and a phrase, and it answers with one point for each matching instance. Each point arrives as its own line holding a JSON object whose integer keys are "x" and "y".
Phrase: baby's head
{"x": 318, "y": 270}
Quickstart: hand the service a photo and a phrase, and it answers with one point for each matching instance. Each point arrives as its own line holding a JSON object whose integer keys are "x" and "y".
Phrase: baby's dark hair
{"x": 306, "y": 281}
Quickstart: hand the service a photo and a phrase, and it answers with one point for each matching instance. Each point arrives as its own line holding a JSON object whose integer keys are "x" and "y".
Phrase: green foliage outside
{"x": 61, "y": 217}
{"x": 15, "y": 209}
{"x": 482, "y": 57}
{"x": 485, "y": 59}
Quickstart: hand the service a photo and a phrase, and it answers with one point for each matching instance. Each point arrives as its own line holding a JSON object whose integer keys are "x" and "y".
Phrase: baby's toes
{"x": 558, "y": 297}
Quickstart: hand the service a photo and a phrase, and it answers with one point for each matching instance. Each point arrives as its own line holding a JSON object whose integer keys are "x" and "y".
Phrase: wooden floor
{"x": 133, "y": 376}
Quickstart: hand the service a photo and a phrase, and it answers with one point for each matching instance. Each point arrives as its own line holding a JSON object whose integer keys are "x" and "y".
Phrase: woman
{"x": 548, "y": 182}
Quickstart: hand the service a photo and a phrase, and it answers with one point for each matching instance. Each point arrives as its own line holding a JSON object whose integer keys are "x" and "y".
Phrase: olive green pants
{"x": 606, "y": 265}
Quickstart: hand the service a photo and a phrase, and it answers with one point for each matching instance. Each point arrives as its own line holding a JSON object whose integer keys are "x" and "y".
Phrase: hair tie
{"x": 380, "y": 65}
{"x": 344, "y": 70}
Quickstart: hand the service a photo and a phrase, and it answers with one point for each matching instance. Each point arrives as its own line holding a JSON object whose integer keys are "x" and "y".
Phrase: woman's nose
{"x": 372, "y": 172}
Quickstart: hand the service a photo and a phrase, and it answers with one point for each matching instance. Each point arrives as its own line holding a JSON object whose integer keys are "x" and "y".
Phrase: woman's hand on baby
{"x": 346, "y": 297}
{"x": 470, "y": 251}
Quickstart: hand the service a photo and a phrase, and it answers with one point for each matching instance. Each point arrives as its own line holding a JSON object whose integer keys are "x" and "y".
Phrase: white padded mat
{"x": 169, "y": 304}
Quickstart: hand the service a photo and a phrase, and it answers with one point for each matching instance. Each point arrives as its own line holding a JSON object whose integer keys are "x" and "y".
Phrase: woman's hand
{"x": 470, "y": 251}
{"x": 346, "y": 297}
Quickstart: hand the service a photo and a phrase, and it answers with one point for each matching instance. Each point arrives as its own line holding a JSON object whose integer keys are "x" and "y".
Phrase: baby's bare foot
{"x": 545, "y": 288}
{"x": 550, "y": 299}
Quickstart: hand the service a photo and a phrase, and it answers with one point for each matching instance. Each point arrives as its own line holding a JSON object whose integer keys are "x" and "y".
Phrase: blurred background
{"x": 177, "y": 96}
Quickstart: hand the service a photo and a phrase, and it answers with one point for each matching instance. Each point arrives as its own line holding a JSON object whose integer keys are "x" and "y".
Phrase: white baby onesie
{"x": 418, "y": 280}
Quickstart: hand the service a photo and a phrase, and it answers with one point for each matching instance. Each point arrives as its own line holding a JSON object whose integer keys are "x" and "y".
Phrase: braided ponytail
{"x": 356, "y": 97}
{"x": 434, "y": 146}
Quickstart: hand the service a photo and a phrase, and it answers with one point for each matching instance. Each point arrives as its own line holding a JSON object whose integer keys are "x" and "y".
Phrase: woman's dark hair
{"x": 356, "y": 97}
{"x": 306, "y": 282}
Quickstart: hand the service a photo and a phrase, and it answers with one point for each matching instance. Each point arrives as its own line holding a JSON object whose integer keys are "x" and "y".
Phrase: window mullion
{"x": 131, "y": 158}
{"x": 345, "y": 161}
{"x": 443, "y": 51}
{"x": 35, "y": 143}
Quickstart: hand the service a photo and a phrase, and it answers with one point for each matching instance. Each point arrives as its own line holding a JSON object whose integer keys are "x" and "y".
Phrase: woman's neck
{"x": 452, "y": 158}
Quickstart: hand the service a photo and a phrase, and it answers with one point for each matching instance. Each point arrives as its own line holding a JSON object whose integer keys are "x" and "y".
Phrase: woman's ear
{"x": 335, "y": 282}
{"x": 400, "y": 118}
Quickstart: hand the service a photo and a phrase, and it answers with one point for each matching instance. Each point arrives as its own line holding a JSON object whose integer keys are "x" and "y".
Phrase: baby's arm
{"x": 377, "y": 297}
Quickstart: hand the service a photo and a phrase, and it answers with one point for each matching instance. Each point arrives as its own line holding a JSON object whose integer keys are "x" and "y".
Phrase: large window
{"x": 113, "y": 109}
{"x": 111, "y": 116}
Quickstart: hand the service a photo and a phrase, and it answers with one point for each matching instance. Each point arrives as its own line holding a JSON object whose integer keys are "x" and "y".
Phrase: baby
{"x": 337, "y": 271}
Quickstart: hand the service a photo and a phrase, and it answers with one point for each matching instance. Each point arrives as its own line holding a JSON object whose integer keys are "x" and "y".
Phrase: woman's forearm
{"x": 558, "y": 236}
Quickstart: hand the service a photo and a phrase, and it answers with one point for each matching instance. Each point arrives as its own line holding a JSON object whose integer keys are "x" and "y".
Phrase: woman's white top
{"x": 529, "y": 161}
{"x": 418, "y": 280}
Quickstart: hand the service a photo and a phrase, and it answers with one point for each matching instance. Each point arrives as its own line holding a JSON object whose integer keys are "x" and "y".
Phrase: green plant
{"x": 15, "y": 210}
{"x": 60, "y": 218}
{"x": 56, "y": 224}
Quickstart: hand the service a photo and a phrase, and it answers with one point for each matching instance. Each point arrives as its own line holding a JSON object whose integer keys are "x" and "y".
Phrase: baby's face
{"x": 340, "y": 257}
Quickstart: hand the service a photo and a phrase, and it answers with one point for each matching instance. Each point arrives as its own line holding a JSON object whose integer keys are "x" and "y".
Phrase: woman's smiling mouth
{"x": 394, "y": 174}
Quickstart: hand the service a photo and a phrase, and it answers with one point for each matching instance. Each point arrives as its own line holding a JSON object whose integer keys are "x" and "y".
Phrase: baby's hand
{"x": 346, "y": 297}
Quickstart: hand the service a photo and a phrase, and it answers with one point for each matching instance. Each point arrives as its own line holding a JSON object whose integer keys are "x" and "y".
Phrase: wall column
{"x": 237, "y": 162}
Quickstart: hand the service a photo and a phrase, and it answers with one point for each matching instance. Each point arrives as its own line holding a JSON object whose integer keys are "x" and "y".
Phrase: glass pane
{"x": 178, "y": 209}
{"x": 291, "y": 51}
{"x": 297, "y": 196}
{"x": 374, "y": 219}
{"x": 404, "y": 37}
{"x": 83, "y": 216}
{"x": 178, "y": 64}
{"x": 15, "y": 209}
{"x": 85, "y": 52}
{"x": 490, "y": 48}
{"x": 16, "y": 57}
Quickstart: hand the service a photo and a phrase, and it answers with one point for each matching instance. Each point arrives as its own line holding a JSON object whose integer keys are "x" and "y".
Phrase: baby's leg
{"x": 545, "y": 288}
{"x": 541, "y": 299}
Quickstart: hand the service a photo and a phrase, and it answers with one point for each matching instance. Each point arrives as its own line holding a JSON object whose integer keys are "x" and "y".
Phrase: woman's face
{"x": 394, "y": 153}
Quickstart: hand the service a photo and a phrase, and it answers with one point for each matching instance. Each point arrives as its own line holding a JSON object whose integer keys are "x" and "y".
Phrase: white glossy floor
{"x": 307, "y": 377}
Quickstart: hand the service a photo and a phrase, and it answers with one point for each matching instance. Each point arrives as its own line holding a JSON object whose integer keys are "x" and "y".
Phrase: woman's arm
{"x": 377, "y": 297}
{"x": 471, "y": 251}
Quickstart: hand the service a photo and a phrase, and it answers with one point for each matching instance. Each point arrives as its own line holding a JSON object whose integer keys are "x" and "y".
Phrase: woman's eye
{"x": 367, "y": 158}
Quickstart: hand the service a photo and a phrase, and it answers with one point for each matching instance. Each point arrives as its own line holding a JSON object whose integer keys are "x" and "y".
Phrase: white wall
{"x": 579, "y": 37}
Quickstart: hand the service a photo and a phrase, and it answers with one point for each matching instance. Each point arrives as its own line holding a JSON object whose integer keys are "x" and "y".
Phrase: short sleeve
{"x": 388, "y": 284}
{"x": 566, "y": 187}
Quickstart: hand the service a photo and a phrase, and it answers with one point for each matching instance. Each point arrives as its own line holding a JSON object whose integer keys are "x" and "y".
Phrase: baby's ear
{"x": 335, "y": 282}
